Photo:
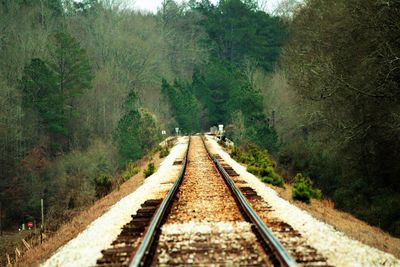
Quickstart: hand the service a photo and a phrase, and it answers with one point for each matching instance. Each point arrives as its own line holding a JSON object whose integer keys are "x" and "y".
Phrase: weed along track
{"x": 207, "y": 218}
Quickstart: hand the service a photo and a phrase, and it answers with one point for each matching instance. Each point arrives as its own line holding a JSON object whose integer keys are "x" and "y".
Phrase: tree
{"x": 126, "y": 135}
{"x": 73, "y": 72}
{"x": 39, "y": 87}
{"x": 342, "y": 64}
{"x": 53, "y": 88}
{"x": 238, "y": 31}
{"x": 71, "y": 66}
{"x": 136, "y": 132}
{"x": 184, "y": 105}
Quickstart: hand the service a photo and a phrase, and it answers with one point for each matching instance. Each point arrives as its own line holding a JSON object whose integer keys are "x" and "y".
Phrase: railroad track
{"x": 208, "y": 217}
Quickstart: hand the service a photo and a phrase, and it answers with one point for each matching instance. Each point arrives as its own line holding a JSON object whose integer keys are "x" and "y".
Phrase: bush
{"x": 149, "y": 170}
{"x": 303, "y": 191}
{"x": 258, "y": 163}
{"x": 103, "y": 185}
{"x": 273, "y": 179}
{"x": 254, "y": 170}
{"x": 164, "y": 152}
{"x": 222, "y": 143}
{"x": 131, "y": 170}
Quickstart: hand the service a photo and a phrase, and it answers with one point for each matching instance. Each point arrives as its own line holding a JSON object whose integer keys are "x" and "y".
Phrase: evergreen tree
{"x": 126, "y": 135}
{"x": 39, "y": 87}
{"x": 53, "y": 88}
{"x": 184, "y": 105}
{"x": 237, "y": 31}
{"x": 73, "y": 72}
{"x": 137, "y": 130}
{"x": 71, "y": 66}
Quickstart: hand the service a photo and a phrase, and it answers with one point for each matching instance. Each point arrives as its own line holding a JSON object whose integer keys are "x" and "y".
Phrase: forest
{"x": 87, "y": 87}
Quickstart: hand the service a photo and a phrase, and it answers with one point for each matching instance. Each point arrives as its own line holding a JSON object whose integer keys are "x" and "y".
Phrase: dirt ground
{"x": 84, "y": 218}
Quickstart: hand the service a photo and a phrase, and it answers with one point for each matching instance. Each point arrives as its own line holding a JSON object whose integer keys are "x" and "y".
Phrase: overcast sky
{"x": 152, "y": 5}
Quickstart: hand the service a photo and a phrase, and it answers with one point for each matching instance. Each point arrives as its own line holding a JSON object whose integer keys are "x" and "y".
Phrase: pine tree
{"x": 39, "y": 87}
{"x": 126, "y": 135}
{"x": 52, "y": 88}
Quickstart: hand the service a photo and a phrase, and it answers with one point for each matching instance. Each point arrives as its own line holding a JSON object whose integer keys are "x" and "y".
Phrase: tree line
{"x": 80, "y": 99}
{"x": 86, "y": 88}
{"x": 336, "y": 93}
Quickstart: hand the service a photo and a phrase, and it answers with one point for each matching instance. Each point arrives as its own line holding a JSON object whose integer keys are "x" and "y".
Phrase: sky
{"x": 152, "y": 5}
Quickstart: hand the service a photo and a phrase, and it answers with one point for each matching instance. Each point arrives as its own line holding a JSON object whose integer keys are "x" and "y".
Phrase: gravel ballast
{"x": 203, "y": 194}
{"x": 209, "y": 244}
{"x": 339, "y": 249}
{"x": 86, "y": 248}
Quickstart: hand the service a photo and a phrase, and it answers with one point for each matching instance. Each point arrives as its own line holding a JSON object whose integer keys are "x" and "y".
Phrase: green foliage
{"x": 127, "y": 136}
{"x": 242, "y": 39}
{"x": 150, "y": 169}
{"x": 213, "y": 86}
{"x": 224, "y": 92}
{"x": 149, "y": 131}
{"x": 164, "y": 152}
{"x": 303, "y": 189}
{"x": 184, "y": 105}
{"x": 77, "y": 177}
{"x": 222, "y": 143}
{"x": 39, "y": 87}
{"x": 103, "y": 185}
{"x": 136, "y": 132}
{"x": 52, "y": 87}
{"x": 130, "y": 170}
{"x": 238, "y": 31}
{"x": 342, "y": 72}
{"x": 71, "y": 67}
{"x": 258, "y": 163}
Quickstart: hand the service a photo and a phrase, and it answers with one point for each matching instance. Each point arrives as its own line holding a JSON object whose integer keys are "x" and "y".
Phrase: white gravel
{"x": 85, "y": 249}
{"x": 339, "y": 249}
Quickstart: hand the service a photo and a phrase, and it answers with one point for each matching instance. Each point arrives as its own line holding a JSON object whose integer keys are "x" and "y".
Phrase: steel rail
{"x": 282, "y": 255}
{"x": 145, "y": 247}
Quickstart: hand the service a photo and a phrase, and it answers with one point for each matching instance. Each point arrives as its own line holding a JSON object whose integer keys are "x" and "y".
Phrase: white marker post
{"x": 177, "y": 131}
{"x": 220, "y": 130}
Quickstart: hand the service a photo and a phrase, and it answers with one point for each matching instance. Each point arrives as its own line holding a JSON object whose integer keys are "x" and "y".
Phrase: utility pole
{"x": 1, "y": 216}
{"x": 42, "y": 226}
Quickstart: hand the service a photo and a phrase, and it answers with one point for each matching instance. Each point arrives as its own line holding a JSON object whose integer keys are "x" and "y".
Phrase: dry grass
{"x": 84, "y": 218}
{"x": 347, "y": 223}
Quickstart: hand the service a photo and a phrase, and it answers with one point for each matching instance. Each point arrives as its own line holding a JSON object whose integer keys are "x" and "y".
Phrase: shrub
{"x": 303, "y": 191}
{"x": 150, "y": 169}
{"x": 103, "y": 185}
{"x": 254, "y": 170}
{"x": 258, "y": 163}
{"x": 131, "y": 170}
{"x": 222, "y": 143}
{"x": 273, "y": 179}
{"x": 164, "y": 152}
